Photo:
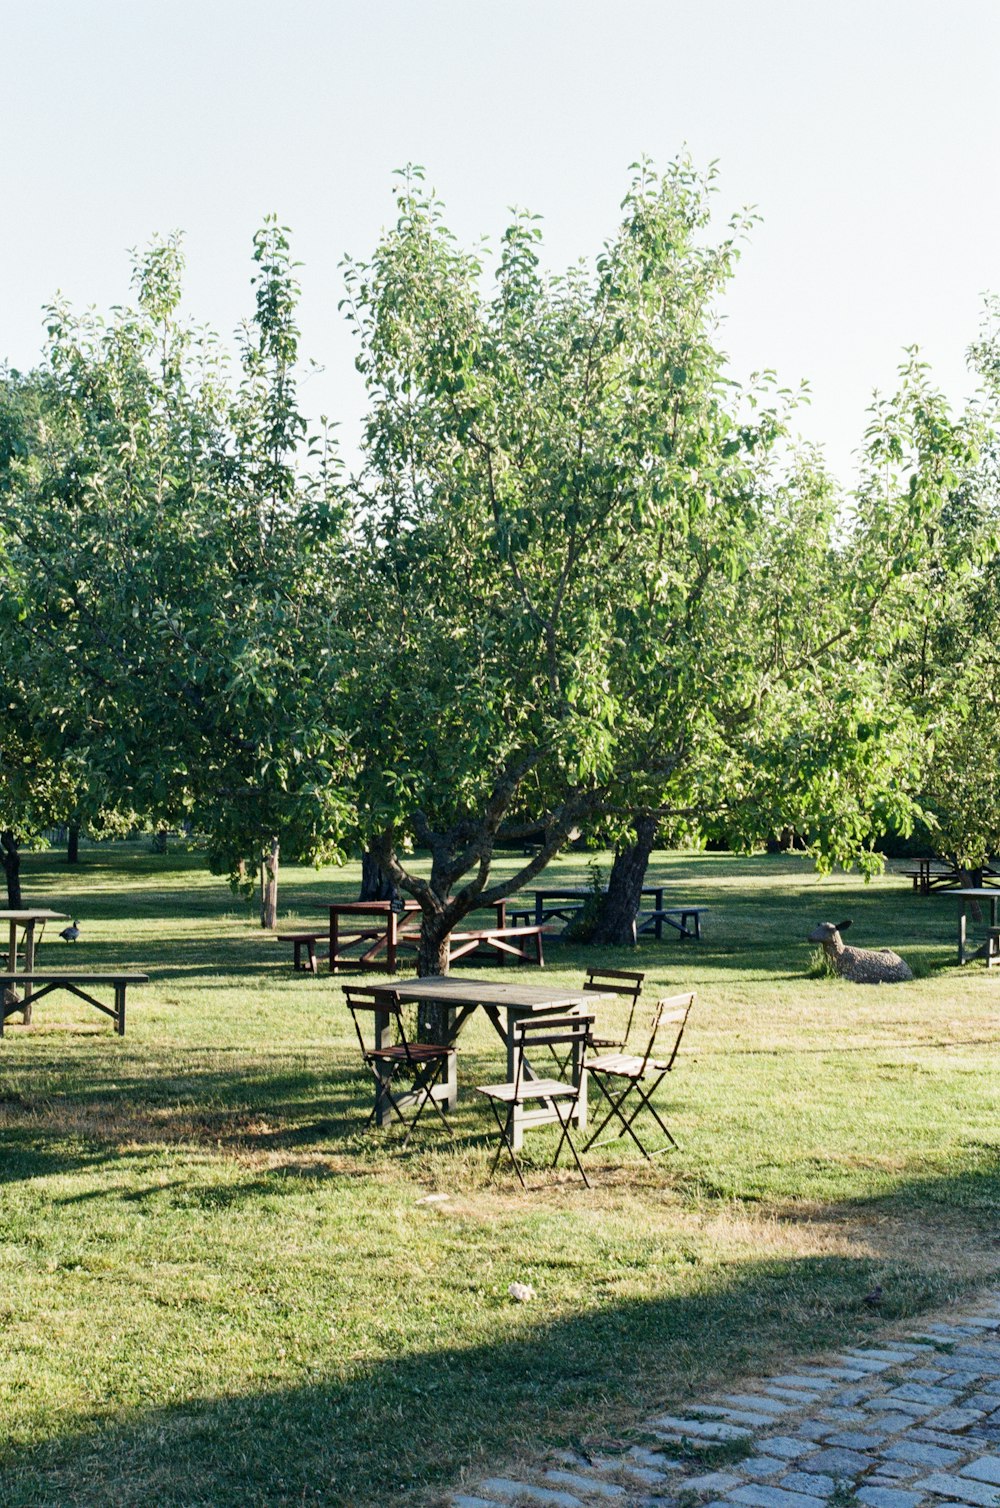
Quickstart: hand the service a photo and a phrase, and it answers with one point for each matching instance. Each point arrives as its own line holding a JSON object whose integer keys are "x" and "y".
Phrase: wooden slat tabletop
{"x": 450, "y": 990}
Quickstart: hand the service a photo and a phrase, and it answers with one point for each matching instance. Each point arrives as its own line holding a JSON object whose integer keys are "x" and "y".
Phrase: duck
{"x": 70, "y": 934}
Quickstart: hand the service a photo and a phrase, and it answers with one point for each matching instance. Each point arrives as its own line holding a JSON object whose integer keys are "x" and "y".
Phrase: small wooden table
{"x": 26, "y": 920}
{"x": 965, "y": 897}
{"x": 504, "y": 1004}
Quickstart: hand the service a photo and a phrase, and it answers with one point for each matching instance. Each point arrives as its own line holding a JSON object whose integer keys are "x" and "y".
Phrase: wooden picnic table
{"x": 966, "y": 897}
{"x": 927, "y": 878}
{"x": 27, "y": 919}
{"x": 387, "y": 926}
{"x": 504, "y": 1004}
{"x": 552, "y": 902}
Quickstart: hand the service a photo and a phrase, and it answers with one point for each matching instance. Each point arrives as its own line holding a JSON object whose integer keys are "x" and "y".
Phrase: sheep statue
{"x": 860, "y": 965}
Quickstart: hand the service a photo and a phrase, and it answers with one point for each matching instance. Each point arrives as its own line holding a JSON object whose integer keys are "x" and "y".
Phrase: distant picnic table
{"x": 373, "y": 934}
{"x": 968, "y": 897}
{"x": 564, "y": 902}
{"x": 936, "y": 874}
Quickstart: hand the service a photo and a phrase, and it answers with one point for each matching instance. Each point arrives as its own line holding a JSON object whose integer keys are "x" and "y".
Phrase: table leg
{"x": 383, "y": 1038}
{"x": 539, "y": 907}
{"x": 961, "y": 932}
{"x": 658, "y": 929}
{"x": 29, "y": 966}
{"x": 391, "y": 939}
{"x": 334, "y": 939}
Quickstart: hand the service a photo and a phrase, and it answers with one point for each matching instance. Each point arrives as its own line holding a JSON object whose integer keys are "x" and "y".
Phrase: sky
{"x": 867, "y": 135}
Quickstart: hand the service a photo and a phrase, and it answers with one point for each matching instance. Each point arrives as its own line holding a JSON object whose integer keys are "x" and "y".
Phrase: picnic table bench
{"x": 76, "y": 983}
{"x": 300, "y": 941}
{"x": 684, "y": 919}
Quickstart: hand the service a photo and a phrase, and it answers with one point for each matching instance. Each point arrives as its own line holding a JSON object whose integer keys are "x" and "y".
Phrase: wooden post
{"x": 29, "y": 966}
{"x": 383, "y": 1038}
{"x": 120, "y": 1009}
{"x": 961, "y": 932}
{"x": 334, "y": 938}
{"x": 391, "y": 939}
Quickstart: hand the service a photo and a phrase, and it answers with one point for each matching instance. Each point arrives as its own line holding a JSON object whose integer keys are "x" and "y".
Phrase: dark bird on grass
{"x": 873, "y": 1299}
{"x": 70, "y": 934}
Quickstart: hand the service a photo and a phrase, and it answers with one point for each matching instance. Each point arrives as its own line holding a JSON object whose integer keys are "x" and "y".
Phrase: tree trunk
{"x": 375, "y": 883}
{"x": 269, "y": 887}
{"x": 73, "y": 844}
{"x": 12, "y": 868}
{"x": 620, "y": 907}
{"x": 432, "y": 958}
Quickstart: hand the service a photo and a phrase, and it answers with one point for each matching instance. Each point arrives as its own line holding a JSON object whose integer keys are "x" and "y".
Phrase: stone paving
{"x": 915, "y": 1421}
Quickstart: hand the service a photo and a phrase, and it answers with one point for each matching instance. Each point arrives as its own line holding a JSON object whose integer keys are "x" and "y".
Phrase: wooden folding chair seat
{"x": 393, "y": 1063}
{"x": 621, "y": 1077}
{"x": 627, "y": 982}
{"x": 571, "y": 1033}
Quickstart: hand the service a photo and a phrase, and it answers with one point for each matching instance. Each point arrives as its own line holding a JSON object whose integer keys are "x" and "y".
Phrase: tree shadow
{"x": 394, "y": 1429}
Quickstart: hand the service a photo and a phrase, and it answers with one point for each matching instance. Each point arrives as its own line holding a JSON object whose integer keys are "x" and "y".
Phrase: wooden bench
{"x": 503, "y": 941}
{"x": 684, "y": 919}
{"x": 300, "y": 940}
{"x": 44, "y": 983}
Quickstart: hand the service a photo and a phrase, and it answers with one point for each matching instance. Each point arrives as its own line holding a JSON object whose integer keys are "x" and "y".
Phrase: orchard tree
{"x": 569, "y": 527}
{"x": 178, "y": 567}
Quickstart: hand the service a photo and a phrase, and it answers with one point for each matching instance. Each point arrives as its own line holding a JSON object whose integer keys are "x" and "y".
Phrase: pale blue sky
{"x": 866, "y": 133}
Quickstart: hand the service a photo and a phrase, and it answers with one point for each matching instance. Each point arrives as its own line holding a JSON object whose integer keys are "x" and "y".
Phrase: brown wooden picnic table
{"x": 393, "y": 927}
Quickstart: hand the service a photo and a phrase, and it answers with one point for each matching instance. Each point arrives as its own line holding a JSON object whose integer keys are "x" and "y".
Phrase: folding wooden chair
{"x": 568, "y": 1032}
{"x": 422, "y": 1063}
{"x": 627, "y": 982}
{"x": 623, "y": 1076}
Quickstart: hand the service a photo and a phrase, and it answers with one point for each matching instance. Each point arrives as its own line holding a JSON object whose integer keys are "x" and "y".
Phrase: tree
{"x": 570, "y": 526}
{"x": 176, "y": 567}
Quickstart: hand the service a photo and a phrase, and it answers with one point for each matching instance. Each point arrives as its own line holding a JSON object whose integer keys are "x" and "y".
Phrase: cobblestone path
{"x": 913, "y": 1422}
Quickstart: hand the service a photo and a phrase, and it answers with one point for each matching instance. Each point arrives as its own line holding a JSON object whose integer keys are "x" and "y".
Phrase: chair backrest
{"x": 626, "y": 982}
{"x": 669, "y": 1018}
{"x": 550, "y": 1032}
{"x": 372, "y": 1002}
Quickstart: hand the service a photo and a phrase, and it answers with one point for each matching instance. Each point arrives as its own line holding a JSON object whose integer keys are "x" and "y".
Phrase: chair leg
{"x": 570, "y": 1112}
{"x": 611, "y": 1112}
{"x": 644, "y": 1097}
{"x": 506, "y": 1140}
{"x": 426, "y": 1084}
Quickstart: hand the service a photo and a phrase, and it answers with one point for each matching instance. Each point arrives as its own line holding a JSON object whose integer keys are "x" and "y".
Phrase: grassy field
{"x": 218, "y": 1291}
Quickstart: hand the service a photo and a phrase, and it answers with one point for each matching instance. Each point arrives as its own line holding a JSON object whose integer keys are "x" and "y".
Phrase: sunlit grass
{"x": 219, "y": 1290}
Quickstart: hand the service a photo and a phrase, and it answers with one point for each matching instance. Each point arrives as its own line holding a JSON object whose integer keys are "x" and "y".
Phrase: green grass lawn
{"x": 218, "y": 1290}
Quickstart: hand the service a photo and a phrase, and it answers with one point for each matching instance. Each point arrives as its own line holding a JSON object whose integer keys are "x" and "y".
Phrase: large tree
{"x": 580, "y": 572}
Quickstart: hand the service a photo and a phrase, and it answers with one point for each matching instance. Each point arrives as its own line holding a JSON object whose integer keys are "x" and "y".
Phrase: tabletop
{"x": 36, "y": 915}
{"x": 375, "y": 907}
{"x": 983, "y": 893}
{"x": 449, "y": 990}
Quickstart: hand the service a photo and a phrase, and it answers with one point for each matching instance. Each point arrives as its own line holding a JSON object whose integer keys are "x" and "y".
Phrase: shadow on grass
{"x": 377, "y": 1432}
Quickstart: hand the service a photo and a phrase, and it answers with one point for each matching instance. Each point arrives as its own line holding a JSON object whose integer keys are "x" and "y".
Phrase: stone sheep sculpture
{"x": 860, "y": 965}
